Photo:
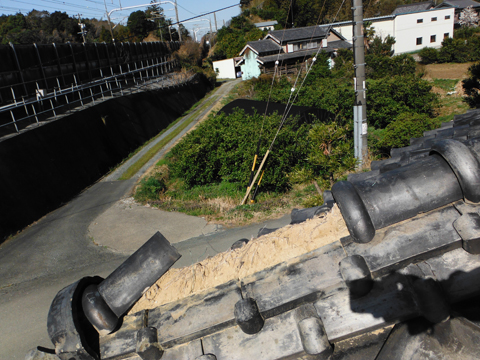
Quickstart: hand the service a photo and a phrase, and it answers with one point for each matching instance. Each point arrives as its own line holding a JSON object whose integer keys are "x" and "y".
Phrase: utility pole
{"x": 211, "y": 34}
{"x": 215, "y": 19}
{"x": 82, "y": 28}
{"x": 109, "y": 22}
{"x": 360, "y": 107}
{"x": 178, "y": 22}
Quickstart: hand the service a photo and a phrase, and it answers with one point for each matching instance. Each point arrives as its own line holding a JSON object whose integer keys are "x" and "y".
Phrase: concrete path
{"x": 91, "y": 235}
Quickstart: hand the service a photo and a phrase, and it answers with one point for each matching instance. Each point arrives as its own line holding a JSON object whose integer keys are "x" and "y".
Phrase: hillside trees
{"x": 232, "y": 39}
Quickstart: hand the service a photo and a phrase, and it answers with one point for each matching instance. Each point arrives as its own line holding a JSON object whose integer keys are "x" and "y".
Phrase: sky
{"x": 96, "y": 9}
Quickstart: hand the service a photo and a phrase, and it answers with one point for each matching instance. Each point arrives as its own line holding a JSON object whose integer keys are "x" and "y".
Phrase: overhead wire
{"x": 259, "y": 142}
{"x": 304, "y": 78}
{"x": 290, "y": 103}
{"x": 56, "y": 8}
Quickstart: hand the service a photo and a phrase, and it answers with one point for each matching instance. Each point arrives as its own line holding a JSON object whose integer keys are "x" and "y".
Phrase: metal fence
{"x": 34, "y": 90}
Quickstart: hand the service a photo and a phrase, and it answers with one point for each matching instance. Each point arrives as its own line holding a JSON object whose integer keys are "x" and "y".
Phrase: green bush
{"x": 406, "y": 126}
{"x": 389, "y": 97}
{"x": 149, "y": 189}
{"x": 471, "y": 86}
{"x": 428, "y": 55}
{"x": 331, "y": 149}
{"x": 380, "y": 66}
{"x": 222, "y": 149}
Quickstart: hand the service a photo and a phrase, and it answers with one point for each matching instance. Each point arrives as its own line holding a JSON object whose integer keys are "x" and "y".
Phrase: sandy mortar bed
{"x": 260, "y": 253}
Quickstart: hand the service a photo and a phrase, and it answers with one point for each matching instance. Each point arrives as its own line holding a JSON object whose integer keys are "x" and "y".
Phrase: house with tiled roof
{"x": 284, "y": 49}
{"x": 459, "y": 5}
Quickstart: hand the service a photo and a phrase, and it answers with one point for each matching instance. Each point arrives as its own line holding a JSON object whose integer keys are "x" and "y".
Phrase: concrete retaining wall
{"x": 47, "y": 166}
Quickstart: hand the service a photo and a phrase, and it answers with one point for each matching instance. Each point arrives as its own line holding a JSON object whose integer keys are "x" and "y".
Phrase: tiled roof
{"x": 404, "y": 284}
{"x": 332, "y": 46}
{"x": 304, "y": 33}
{"x": 263, "y": 46}
{"x": 459, "y": 4}
{"x": 415, "y": 7}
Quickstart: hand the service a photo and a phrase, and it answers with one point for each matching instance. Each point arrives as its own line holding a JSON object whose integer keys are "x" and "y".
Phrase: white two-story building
{"x": 412, "y": 30}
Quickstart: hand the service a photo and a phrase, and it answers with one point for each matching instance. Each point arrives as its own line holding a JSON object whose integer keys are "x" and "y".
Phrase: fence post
{"x": 19, "y": 69}
{"x": 74, "y": 63}
{"x": 59, "y": 64}
{"x": 87, "y": 62}
{"x": 14, "y": 122}
{"x": 53, "y": 108}
{"x": 35, "y": 113}
{"x": 41, "y": 65}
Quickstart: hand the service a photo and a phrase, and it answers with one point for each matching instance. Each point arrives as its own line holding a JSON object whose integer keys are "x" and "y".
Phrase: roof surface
{"x": 262, "y": 46}
{"x": 415, "y": 7}
{"x": 332, "y": 46}
{"x": 304, "y": 33}
{"x": 404, "y": 284}
{"x": 459, "y": 4}
{"x": 266, "y": 23}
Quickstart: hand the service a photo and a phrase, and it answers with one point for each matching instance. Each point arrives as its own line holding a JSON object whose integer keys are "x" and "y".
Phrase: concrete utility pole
{"x": 109, "y": 22}
{"x": 82, "y": 28}
{"x": 215, "y": 19}
{"x": 178, "y": 22}
{"x": 360, "y": 107}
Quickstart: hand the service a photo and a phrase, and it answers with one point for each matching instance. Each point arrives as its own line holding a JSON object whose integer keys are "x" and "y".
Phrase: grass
{"x": 220, "y": 203}
{"x": 445, "y": 79}
{"x": 134, "y": 168}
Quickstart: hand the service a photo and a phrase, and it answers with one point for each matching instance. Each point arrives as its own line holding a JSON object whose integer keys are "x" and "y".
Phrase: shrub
{"x": 406, "y": 126}
{"x": 391, "y": 96}
{"x": 428, "y": 55}
{"x": 222, "y": 149}
{"x": 331, "y": 149}
{"x": 150, "y": 188}
{"x": 471, "y": 86}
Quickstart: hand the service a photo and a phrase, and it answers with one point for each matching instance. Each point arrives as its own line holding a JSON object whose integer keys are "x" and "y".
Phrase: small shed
{"x": 226, "y": 69}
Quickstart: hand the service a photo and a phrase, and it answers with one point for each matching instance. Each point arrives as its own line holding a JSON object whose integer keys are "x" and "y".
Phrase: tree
{"x": 139, "y": 25}
{"x": 468, "y": 17}
{"x": 390, "y": 96}
{"x": 471, "y": 86}
{"x": 331, "y": 150}
{"x": 12, "y": 27}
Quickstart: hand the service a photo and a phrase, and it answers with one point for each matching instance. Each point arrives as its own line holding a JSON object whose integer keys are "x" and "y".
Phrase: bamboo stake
{"x": 255, "y": 178}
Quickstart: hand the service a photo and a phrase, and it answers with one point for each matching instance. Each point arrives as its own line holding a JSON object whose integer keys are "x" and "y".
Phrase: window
{"x": 419, "y": 21}
{"x": 433, "y": 38}
{"x": 447, "y": 17}
{"x": 434, "y": 19}
{"x": 419, "y": 41}
{"x": 446, "y": 35}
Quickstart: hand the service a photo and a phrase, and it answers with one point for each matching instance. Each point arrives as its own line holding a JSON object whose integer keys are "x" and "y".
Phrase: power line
{"x": 56, "y": 8}
{"x": 208, "y": 13}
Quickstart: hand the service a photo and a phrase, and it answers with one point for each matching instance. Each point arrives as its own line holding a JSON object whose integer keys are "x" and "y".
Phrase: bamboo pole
{"x": 255, "y": 178}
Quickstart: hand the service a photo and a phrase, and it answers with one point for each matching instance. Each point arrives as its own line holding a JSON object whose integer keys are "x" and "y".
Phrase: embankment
{"x": 44, "y": 167}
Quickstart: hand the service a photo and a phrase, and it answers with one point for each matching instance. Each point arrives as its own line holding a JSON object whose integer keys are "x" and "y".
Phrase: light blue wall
{"x": 250, "y": 67}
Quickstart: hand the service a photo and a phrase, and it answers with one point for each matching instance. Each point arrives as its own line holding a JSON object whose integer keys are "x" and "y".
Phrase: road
{"x": 59, "y": 249}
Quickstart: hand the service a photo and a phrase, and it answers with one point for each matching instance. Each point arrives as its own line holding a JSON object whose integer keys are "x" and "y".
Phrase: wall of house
{"x": 382, "y": 28}
{"x": 250, "y": 68}
{"x": 407, "y": 30}
{"x": 226, "y": 68}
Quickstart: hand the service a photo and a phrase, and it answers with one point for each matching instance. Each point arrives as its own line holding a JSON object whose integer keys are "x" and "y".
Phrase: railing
{"x": 43, "y": 86}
